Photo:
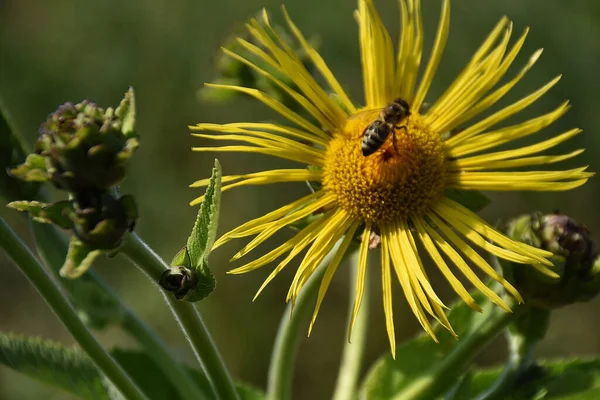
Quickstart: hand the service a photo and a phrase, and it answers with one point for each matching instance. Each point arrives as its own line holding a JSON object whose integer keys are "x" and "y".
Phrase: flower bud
{"x": 100, "y": 220}
{"x": 576, "y": 260}
{"x": 83, "y": 146}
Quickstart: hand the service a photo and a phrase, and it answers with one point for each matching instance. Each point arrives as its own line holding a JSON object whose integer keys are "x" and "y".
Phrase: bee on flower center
{"x": 377, "y": 132}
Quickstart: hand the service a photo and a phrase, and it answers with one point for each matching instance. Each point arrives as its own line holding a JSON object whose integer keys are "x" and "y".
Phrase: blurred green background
{"x": 57, "y": 51}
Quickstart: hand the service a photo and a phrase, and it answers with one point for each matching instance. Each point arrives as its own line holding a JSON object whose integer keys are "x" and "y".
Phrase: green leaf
{"x": 558, "y": 380}
{"x": 45, "y": 213}
{"x": 181, "y": 259}
{"x": 72, "y": 370}
{"x": 388, "y": 376}
{"x": 474, "y": 200}
{"x": 79, "y": 259}
{"x": 126, "y": 113}
{"x": 203, "y": 235}
{"x": 67, "y": 369}
{"x": 192, "y": 260}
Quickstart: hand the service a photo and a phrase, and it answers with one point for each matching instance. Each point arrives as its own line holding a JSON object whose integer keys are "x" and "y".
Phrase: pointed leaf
{"x": 181, "y": 259}
{"x": 72, "y": 370}
{"x": 52, "y": 213}
{"x": 79, "y": 259}
{"x": 126, "y": 113}
{"x": 68, "y": 369}
{"x": 205, "y": 229}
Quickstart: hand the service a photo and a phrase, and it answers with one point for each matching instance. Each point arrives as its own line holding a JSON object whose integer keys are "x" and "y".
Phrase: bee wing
{"x": 370, "y": 114}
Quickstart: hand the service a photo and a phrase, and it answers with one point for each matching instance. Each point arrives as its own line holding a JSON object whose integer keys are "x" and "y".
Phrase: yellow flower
{"x": 398, "y": 193}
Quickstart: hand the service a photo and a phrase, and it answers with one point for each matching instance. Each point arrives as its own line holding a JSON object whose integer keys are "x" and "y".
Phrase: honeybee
{"x": 377, "y": 132}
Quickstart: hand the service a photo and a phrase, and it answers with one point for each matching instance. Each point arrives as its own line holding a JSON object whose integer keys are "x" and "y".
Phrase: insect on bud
{"x": 177, "y": 280}
{"x": 576, "y": 260}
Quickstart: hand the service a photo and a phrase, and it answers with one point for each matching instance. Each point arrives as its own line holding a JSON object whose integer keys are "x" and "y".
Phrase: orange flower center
{"x": 403, "y": 178}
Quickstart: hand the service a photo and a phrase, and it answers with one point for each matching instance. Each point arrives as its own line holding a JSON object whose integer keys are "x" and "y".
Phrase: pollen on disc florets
{"x": 394, "y": 183}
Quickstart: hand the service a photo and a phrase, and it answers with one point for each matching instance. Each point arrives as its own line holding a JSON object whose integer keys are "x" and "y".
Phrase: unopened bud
{"x": 576, "y": 260}
{"x": 83, "y": 146}
{"x": 101, "y": 220}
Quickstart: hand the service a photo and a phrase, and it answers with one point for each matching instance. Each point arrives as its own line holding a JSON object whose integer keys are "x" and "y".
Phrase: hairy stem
{"x": 50, "y": 291}
{"x": 52, "y": 248}
{"x": 188, "y": 318}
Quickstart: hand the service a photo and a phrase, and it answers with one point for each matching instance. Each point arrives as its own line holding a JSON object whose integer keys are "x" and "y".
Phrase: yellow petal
{"x": 457, "y": 286}
{"x": 417, "y": 302}
{"x": 503, "y": 114}
{"x": 271, "y": 228}
{"x": 377, "y": 56}
{"x": 485, "y": 159}
{"x": 330, "y": 271}
{"x": 296, "y": 245}
{"x": 360, "y": 277}
{"x": 320, "y": 65}
{"x": 436, "y": 55}
{"x": 300, "y": 99}
{"x": 507, "y": 134}
{"x": 521, "y": 162}
{"x": 471, "y": 254}
{"x": 324, "y": 243}
{"x": 386, "y": 282}
{"x": 254, "y": 226}
{"x": 274, "y": 104}
{"x": 466, "y": 270}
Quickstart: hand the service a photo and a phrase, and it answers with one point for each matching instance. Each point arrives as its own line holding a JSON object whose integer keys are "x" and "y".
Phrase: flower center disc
{"x": 396, "y": 182}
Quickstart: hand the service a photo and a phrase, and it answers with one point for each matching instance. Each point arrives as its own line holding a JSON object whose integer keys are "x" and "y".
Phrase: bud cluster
{"x": 84, "y": 150}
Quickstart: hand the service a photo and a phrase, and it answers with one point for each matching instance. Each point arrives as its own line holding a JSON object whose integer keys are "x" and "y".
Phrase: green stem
{"x": 281, "y": 370}
{"x": 345, "y": 388}
{"x": 523, "y": 336}
{"x": 521, "y": 357}
{"x": 188, "y": 317}
{"x": 53, "y": 249}
{"x": 160, "y": 354}
{"x": 52, "y": 294}
{"x": 443, "y": 375}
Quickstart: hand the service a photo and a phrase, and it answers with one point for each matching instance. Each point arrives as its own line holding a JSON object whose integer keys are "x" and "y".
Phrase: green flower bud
{"x": 97, "y": 219}
{"x": 576, "y": 260}
{"x": 82, "y": 146}
{"x": 100, "y": 220}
